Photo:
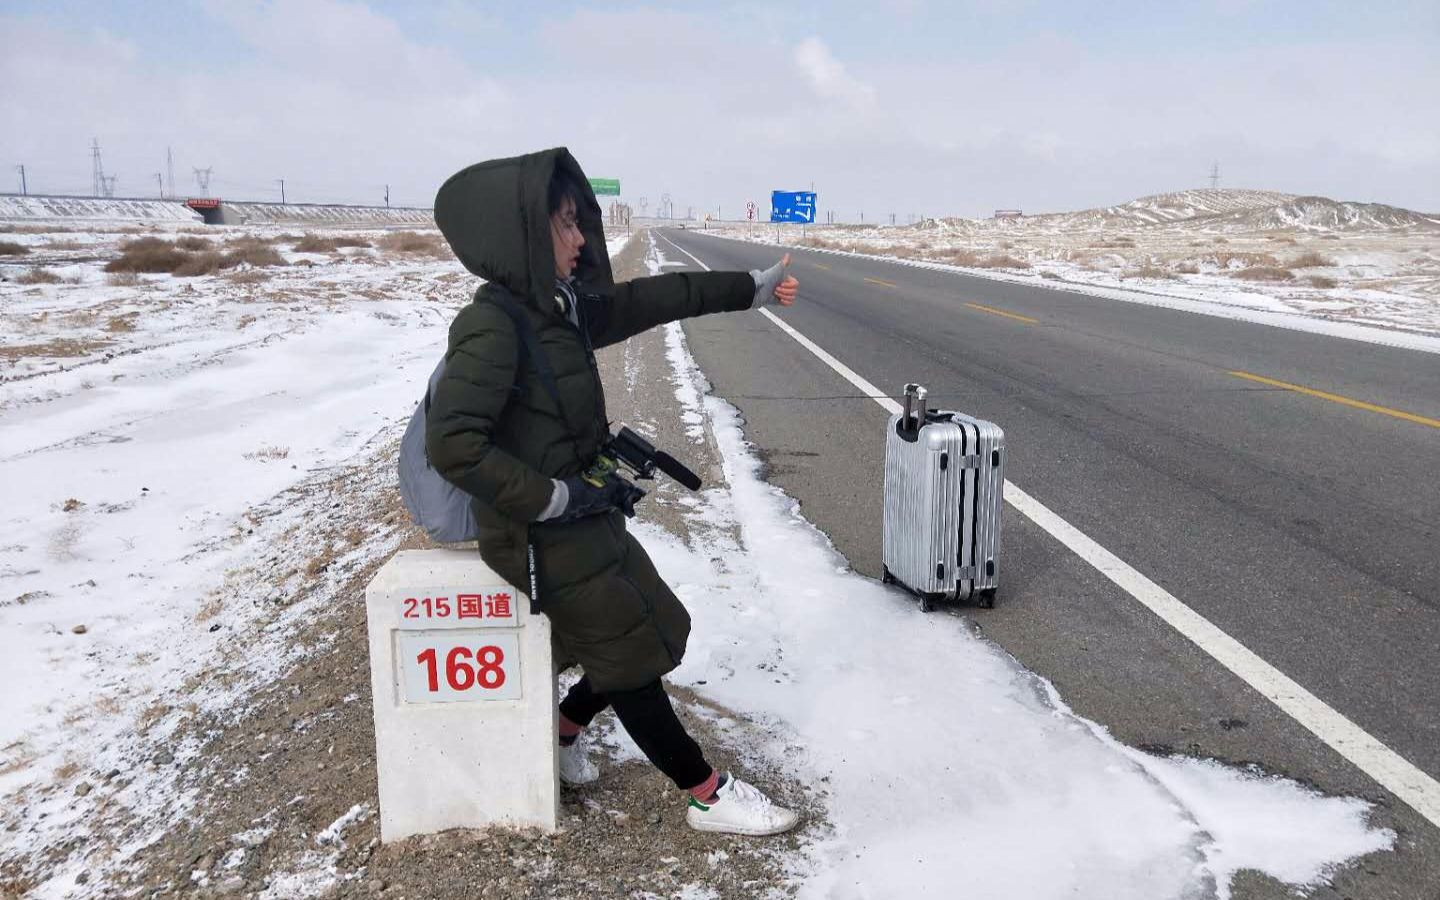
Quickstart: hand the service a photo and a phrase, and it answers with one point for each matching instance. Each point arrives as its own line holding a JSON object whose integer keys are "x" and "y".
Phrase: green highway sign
{"x": 605, "y": 187}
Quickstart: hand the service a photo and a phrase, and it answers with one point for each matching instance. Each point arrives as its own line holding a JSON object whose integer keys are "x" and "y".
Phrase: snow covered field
{"x": 168, "y": 462}
{"x": 153, "y": 425}
{"x": 1258, "y": 254}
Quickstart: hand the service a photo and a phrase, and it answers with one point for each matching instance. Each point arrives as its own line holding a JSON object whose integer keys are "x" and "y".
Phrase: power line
{"x": 23, "y": 190}
{"x": 1214, "y": 175}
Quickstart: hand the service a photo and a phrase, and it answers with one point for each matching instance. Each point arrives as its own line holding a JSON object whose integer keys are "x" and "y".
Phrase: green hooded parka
{"x": 496, "y": 433}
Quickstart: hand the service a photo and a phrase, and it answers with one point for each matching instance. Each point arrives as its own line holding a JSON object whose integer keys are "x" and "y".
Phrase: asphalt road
{"x": 1306, "y": 527}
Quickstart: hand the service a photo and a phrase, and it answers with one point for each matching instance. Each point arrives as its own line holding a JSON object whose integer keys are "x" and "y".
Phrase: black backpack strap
{"x": 530, "y": 345}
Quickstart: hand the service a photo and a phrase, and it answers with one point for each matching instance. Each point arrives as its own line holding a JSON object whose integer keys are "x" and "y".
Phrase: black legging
{"x": 650, "y": 720}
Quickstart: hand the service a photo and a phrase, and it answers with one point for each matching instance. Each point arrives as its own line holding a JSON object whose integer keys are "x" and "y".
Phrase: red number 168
{"x": 460, "y": 674}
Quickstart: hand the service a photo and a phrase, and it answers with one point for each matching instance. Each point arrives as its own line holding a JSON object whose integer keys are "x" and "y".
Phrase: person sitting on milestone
{"x": 530, "y": 226}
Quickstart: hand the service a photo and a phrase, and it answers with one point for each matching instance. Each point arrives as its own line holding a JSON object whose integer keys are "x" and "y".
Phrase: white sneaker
{"x": 575, "y": 764}
{"x": 740, "y": 808}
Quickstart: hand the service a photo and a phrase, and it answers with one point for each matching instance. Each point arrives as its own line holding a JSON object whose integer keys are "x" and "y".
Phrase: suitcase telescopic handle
{"x": 914, "y": 405}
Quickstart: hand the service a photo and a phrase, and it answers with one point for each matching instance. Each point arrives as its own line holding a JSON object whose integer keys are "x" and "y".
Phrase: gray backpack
{"x": 436, "y": 505}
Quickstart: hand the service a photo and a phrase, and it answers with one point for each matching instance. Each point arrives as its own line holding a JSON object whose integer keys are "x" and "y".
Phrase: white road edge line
{"x": 1393, "y": 772}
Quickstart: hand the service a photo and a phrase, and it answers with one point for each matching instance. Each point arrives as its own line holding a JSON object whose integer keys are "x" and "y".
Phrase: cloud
{"x": 717, "y": 105}
{"x": 331, "y": 96}
{"x": 827, "y": 77}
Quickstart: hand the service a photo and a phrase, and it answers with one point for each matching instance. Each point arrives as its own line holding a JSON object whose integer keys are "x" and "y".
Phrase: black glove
{"x": 585, "y": 499}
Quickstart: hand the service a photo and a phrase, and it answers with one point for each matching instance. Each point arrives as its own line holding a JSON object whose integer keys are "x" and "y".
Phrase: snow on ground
{"x": 1365, "y": 281}
{"x": 148, "y": 429}
{"x": 153, "y": 468}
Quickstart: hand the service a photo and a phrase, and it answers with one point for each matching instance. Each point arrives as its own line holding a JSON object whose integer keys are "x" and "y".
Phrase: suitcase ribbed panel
{"x": 946, "y": 517}
{"x": 989, "y": 490}
{"x": 922, "y": 506}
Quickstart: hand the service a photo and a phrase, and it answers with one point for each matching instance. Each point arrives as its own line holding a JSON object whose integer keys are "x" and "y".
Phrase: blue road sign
{"x": 792, "y": 206}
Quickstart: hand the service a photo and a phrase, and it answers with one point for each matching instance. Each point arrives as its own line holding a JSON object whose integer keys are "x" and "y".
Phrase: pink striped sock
{"x": 706, "y": 789}
{"x": 569, "y": 729}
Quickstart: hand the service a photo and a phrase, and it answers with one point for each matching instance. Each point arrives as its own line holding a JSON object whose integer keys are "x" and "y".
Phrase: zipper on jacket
{"x": 584, "y": 330}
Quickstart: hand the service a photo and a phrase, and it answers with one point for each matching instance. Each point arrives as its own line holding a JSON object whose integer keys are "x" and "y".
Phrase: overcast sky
{"x": 936, "y": 108}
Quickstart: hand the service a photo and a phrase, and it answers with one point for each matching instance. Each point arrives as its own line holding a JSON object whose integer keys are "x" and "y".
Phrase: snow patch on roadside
{"x": 930, "y": 739}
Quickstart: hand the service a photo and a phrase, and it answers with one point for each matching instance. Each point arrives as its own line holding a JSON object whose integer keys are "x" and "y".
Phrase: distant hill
{"x": 1324, "y": 214}
{"x": 1171, "y": 208}
{"x": 1217, "y": 209}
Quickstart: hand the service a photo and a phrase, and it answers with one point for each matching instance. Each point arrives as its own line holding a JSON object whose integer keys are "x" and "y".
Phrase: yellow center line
{"x": 879, "y": 281}
{"x": 1000, "y": 312}
{"x": 821, "y": 266}
{"x": 1336, "y": 398}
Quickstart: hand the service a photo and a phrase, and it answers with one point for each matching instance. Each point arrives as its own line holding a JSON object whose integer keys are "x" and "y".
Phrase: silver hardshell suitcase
{"x": 944, "y": 484}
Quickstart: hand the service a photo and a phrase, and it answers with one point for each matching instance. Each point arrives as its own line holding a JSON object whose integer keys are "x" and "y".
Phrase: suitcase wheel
{"x": 986, "y": 599}
{"x": 885, "y": 576}
{"x": 927, "y": 601}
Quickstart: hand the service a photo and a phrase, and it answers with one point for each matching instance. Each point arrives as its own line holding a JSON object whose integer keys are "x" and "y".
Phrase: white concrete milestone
{"x": 465, "y": 721}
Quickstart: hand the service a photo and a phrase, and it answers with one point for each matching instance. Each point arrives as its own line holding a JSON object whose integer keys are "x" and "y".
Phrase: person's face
{"x": 568, "y": 240}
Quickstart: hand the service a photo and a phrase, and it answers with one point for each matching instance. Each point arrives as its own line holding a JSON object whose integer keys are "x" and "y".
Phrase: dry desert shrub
{"x": 1002, "y": 261}
{"x": 10, "y": 248}
{"x": 959, "y": 256}
{"x": 414, "y": 242}
{"x": 1329, "y": 237}
{"x": 247, "y": 276}
{"x": 1320, "y": 281}
{"x": 1281, "y": 239}
{"x": 64, "y": 244}
{"x": 1113, "y": 243}
{"x": 122, "y": 279}
{"x": 249, "y": 240}
{"x": 1264, "y": 273}
{"x": 1220, "y": 240}
{"x": 147, "y": 254}
{"x": 253, "y": 254}
{"x": 123, "y": 323}
{"x": 38, "y": 276}
{"x": 1310, "y": 260}
{"x": 817, "y": 242}
{"x": 191, "y": 242}
{"x": 1187, "y": 268}
{"x": 268, "y": 453}
{"x": 1236, "y": 259}
{"x": 207, "y": 262}
{"x": 1148, "y": 271}
{"x": 312, "y": 243}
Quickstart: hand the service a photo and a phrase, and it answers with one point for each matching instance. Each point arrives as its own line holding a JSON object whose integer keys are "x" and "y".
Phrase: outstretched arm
{"x": 643, "y": 303}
